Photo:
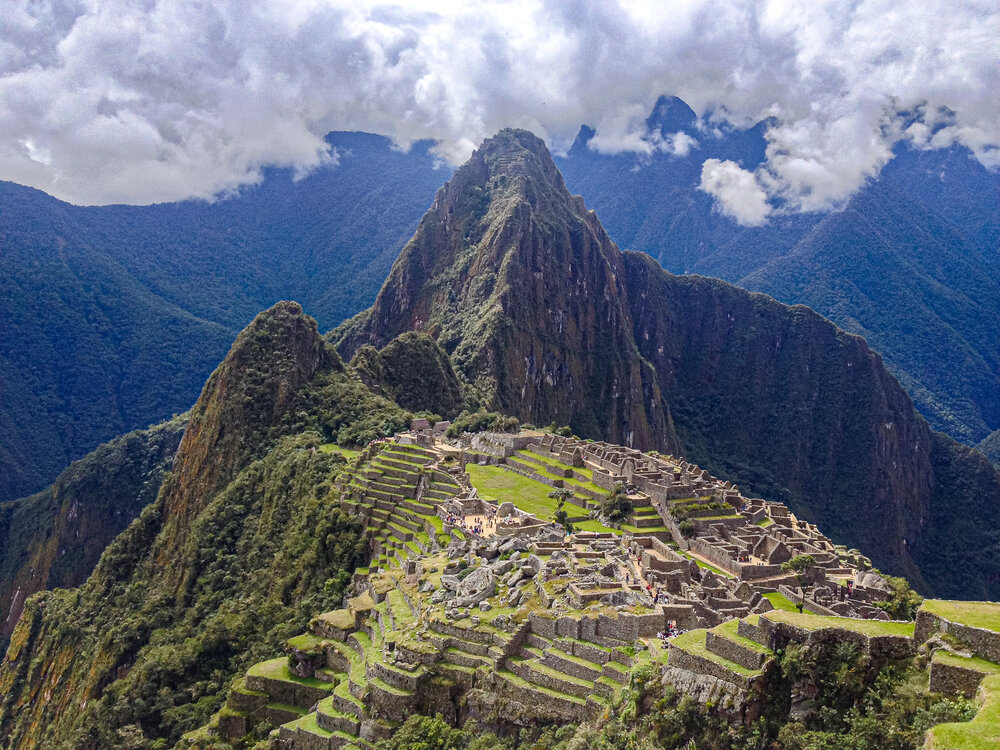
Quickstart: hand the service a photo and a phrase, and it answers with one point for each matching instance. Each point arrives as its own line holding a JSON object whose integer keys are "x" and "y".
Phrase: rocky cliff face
{"x": 521, "y": 285}
{"x": 546, "y": 319}
{"x": 789, "y": 404}
{"x": 242, "y": 545}
{"x": 54, "y": 538}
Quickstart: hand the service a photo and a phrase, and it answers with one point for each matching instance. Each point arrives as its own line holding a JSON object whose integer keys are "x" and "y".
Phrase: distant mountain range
{"x": 114, "y": 316}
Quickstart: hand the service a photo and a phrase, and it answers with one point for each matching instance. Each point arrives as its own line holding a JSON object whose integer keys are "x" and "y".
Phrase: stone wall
{"x": 984, "y": 643}
{"x": 954, "y": 680}
{"x": 733, "y": 651}
{"x": 679, "y": 659}
{"x": 715, "y": 555}
{"x": 749, "y": 572}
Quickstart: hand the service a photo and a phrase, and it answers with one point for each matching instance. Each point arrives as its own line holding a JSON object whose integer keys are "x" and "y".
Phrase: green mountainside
{"x": 114, "y": 316}
{"x": 547, "y": 320}
{"x": 53, "y": 539}
{"x": 990, "y": 447}
{"x": 239, "y": 550}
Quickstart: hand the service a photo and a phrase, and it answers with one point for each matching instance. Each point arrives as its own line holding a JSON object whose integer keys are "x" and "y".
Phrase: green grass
{"x": 965, "y": 662}
{"x": 342, "y": 619}
{"x": 277, "y": 669}
{"x": 391, "y": 689}
{"x": 309, "y": 724}
{"x": 693, "y": 642}
{"x": 781, "y": 602}
{"x": 974, "y": 614}
{"x": 349, "y": 454}
{"x": 865, "y": 627}
{"x": 728, "y": 630}
{"x": 528, "y": 495}
{"x": 980, "y": 733}
{"x": 764, "y": 523}
{"x": 343, "y": 691}
{"x": 401, "y": 615}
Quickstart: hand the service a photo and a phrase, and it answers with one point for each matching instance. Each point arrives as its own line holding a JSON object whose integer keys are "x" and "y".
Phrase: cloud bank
{"x": 121, "y": 101}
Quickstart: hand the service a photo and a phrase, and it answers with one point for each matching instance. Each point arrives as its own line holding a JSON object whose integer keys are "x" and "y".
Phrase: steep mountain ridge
{"x": 519, "y": 283}
{"x": 241, "y": 547}
{"x": 776, "y": 398}
{"x": 910, "y": 263}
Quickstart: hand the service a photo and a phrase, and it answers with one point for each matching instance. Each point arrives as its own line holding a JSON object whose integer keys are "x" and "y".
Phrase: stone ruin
{"x": 447, "y": 621}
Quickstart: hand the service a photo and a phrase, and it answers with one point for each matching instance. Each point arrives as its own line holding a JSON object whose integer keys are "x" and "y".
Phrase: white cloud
{"x": 736, "y": 192}
{"x": 112, "y": 100}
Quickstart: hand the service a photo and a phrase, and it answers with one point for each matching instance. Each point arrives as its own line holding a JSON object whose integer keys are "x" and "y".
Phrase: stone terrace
{"x": 445, "y": 621}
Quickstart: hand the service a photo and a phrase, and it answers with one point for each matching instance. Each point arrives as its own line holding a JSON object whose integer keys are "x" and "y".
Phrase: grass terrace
{"x": 349, "y": 454}
{"x": 277, "y": 669}
{"x": 965, "y": 662}
{"x": 817, "y": 622}
{"x": 781, "y": 602}
{"x": 693, "y": 642}
{"x": 974, "y": 614}
{"x": 500, "y": 485}
{"x": 980, "y": 733}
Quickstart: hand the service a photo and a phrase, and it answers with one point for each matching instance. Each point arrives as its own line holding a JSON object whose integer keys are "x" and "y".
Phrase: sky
{"x": 143, "y": 101}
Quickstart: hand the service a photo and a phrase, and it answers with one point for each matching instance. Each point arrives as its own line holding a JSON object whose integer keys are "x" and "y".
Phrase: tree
{"x": 904, "y": 601}
{"x": 615, "y": 506}
{"x": 799, "y": 565}
{"x": 562, "y": 517}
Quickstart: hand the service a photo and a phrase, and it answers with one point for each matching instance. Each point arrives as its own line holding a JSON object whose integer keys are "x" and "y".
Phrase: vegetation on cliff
{"x": 54, "y": 538}
{"x": 414, "y": 371}
{"x": 239, "y": 550}
{"x": 990, "y": 447}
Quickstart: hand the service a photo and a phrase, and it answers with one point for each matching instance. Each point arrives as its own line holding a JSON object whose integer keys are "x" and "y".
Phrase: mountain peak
{"x": 512, "y": 166}
{"x": 513, "y": 152}
{"x": 672, "y": 115}
{"x": 519, "y": 283}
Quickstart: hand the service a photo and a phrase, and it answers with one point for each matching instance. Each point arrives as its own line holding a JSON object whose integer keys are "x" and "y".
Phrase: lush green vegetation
{"x": 114, "y": 316}
{"x": 241, "y": 548}
{"x": 860, "y": 705}
{"x": 481, "y": 421}
{"x": 615, "y": 505}
{"x": 904, "y": 601}
{"x": 981, "y": 732}
{"x": 54, "y": 538}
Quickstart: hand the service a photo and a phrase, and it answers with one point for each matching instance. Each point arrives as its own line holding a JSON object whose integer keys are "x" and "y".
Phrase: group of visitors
{"x": 672, "y": 631}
